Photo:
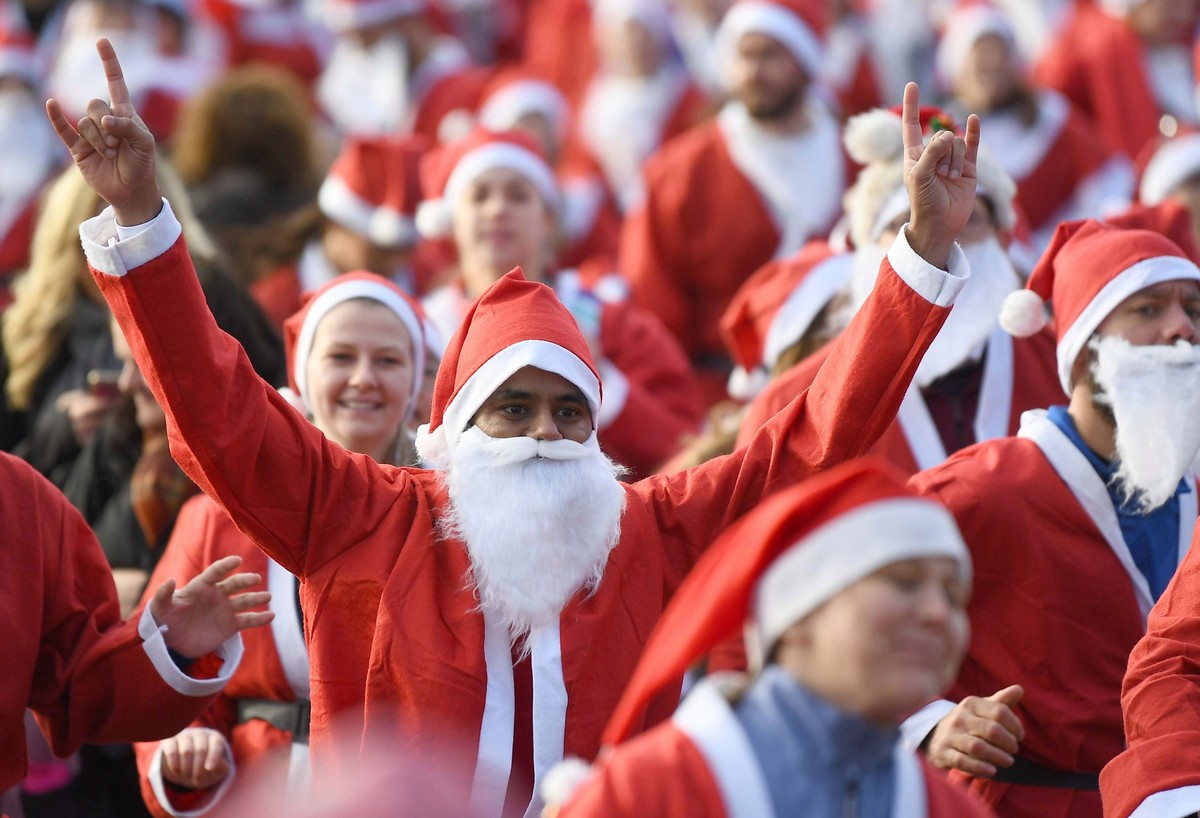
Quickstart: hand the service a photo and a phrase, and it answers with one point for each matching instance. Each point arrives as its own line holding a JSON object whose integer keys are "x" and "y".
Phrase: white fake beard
{"x": 975, "y": 315}
{"x": 365, "y": 90}
{"x": 24, "y": 126}
{"x": 538, "y": 518}
{"x": 1153, "y": 394}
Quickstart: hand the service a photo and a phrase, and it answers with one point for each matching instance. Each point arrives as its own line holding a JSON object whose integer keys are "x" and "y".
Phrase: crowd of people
{"x": 501, "y": 408}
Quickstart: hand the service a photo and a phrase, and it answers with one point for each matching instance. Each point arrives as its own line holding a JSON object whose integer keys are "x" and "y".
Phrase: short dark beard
{"x": 777, "y": 108}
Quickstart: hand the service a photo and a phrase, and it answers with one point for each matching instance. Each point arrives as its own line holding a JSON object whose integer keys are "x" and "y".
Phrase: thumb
{"x": 160, "y": 603}
{"x": 1010, "y": 696}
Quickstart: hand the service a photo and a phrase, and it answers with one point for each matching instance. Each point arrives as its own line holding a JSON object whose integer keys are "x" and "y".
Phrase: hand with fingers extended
{"x": 112, "y": 147}
{"x": 196, "y": 758}
{"x": 940, "y": 181}
{"x": 980, "y": 735}
{"x": 208, "y": 610}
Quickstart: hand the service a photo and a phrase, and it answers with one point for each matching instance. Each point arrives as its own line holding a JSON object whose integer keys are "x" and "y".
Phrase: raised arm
{"x": 279, "y": 479}
{"x": 856, "y": 394}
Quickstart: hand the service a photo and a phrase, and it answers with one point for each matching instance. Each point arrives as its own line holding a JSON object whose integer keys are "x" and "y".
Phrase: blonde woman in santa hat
{"x": 854, "y": 591}
{"x": 1062, "y": 167}
{"x": 498, "y": 600}
{"x": 355, "y": 354}
{"x": 1076, "y": 524}
{"x": 500, "y": 201}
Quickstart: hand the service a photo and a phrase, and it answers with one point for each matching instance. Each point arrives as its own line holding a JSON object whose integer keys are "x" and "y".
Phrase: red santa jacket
{"x": 67, "y": 655}
{"x": 1097, "y": 62}
{"x": 651, "y": 398}
{"x": 703, "y": 228}
{"x": 701, "y": 765}
{"x": 1161, "y": 726}
{"x": 1057, "y": 605}
{"x": 398, "y": 644}
{"x": 203, "y": 533}
{"x": 1019, "y": 374}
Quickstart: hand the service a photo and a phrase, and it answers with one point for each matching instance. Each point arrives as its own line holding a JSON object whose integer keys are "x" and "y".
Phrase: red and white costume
{"x": 397, "y": 640}
{"x": 1154, "y": 776}
{"x": 68, "y": 657}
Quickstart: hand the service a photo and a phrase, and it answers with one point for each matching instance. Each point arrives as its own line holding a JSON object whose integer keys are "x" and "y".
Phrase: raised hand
{"x": 979, "y": 735}
{"x": 197, "y": 758}
{"x": 112, "y": 147}
{"x": 940, "y": 180}
{"x": 209, "y": 609}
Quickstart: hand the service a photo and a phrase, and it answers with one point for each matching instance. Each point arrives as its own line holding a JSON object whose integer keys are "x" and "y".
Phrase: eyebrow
{"x": 521, "y": 394}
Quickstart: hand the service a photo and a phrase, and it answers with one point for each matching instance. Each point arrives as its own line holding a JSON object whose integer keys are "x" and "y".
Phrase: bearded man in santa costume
{"x": 501, "y": 597}
{"x": 854, "y": 593}
{"x": 975, "y": 380}
{"x": 755, "y": 184}
{"x": 1126, "y": 64}
{"x": 1075, "y": 525}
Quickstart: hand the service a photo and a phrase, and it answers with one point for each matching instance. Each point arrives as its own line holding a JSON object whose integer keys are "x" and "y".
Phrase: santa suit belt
{"x": 291, "y": 717}
{"x": 1027, "y": 773}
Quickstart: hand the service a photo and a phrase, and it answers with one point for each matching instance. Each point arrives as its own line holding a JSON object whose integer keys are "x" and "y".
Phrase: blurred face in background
{"x": 501, "y": 222}
{"x": 990, "y": 76}
{"x": 765, "y": 77}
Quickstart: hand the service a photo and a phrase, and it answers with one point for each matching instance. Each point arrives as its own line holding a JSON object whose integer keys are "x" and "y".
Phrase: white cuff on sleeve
{"x": 936, "y": 286}
{"x": 919, "y": 725}
{"x": 115, "y": 250}
{"x": 156, "y": 648}
{"x": 616, "y": 392}
{"x": 215, "y": 794}
{"x": 1174, "y": 803}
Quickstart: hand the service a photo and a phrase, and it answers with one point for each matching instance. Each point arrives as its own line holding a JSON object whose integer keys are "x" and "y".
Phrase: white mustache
{"x": 1153, "y": 358}
{"x": 508, "y": 450}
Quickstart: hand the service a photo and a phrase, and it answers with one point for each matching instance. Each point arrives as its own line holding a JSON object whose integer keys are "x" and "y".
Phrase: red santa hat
{"x": 875, "y": 140}
{"x": 342, "y": 16}
{"x": 1089, "y": 268}
{"x": 798, "y": 24}
{"x": 775, "y": 307}
{"x": 515, "y": 323}
{"x": 18, "y": 51}
{"x": 449, "y": 170}
{"x": 966, "y": 25}
{"x": 514, "y": 96}
{"x": 373, "y": 189}
{"x": 781, "y": 561}
{"x": 300, "y": 329}
{"x": 1174, "y": 162}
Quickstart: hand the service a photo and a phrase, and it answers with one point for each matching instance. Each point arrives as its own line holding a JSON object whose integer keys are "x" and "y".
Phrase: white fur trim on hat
{"x": 347, "y": 15}
{"x": 1173, "y": 164}
{"x": 746, "y": 386}
{"x": 341, "y": 293}
{"x": 776, "y": 22}
{"x": 1145, "y": 273}
{"x": 505, "y": 108}
{"x": 846, "y": 549}
{"x": 803, "y": 304}
{"x": 434, "y": 219}
{"x": 652, "y": 15}
{"x": 435, "y": 445}
{"x": 965, "y": 29}
{"x": 563, "y": 780}
{"x": 383, "y": 225}
{"x": 1119, "y": 8}
{"x": 1023, "y": 313}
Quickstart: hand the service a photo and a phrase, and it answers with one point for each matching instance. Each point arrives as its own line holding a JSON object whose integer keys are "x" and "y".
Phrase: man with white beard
{"x": 975, "y": 380}
{"x": 391, "y": 72}
{"x": 430, "y": 623}
{"x": 1075, "y": 525}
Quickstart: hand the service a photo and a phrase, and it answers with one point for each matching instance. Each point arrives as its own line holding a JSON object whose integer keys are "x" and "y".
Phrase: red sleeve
{"x": 663, "y": 401}
{"x": 852, "y": 401}
{"x": 281, "y": 481}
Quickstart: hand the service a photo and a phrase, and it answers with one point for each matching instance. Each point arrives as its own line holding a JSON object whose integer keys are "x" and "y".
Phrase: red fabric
{"x": 1159, "y": 700}
{"x": 67, "y": 655}
{"x": 202, "y": 534}
{"x": 702, "y": 230}
{"x": 363, "y": 537}
{"x": 1035, "y": 386}
{"x": 278, "y": 293}
{"x": 279, "y": 37}
{"x": 662, "y": 773}
{"x": 461, "y": 90}
{"x": 579, "y": 175}
{"x": 14, "y": 246}
{"x": 1053, "y": 609}
{"x": 559, "y": 45}
{"x": 1097, "y": 62}
{"x": 382, "y": 172}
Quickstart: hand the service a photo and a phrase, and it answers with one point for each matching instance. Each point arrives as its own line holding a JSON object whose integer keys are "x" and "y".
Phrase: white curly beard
{"x": 538, "y": 518}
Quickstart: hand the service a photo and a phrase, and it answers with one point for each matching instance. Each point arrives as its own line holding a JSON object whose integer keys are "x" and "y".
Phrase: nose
{"x": 364, "y": 373}
{"x": 1179, "y": 325}
{"x": 934, "y": 606}
{"x": 543, "y": 426}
